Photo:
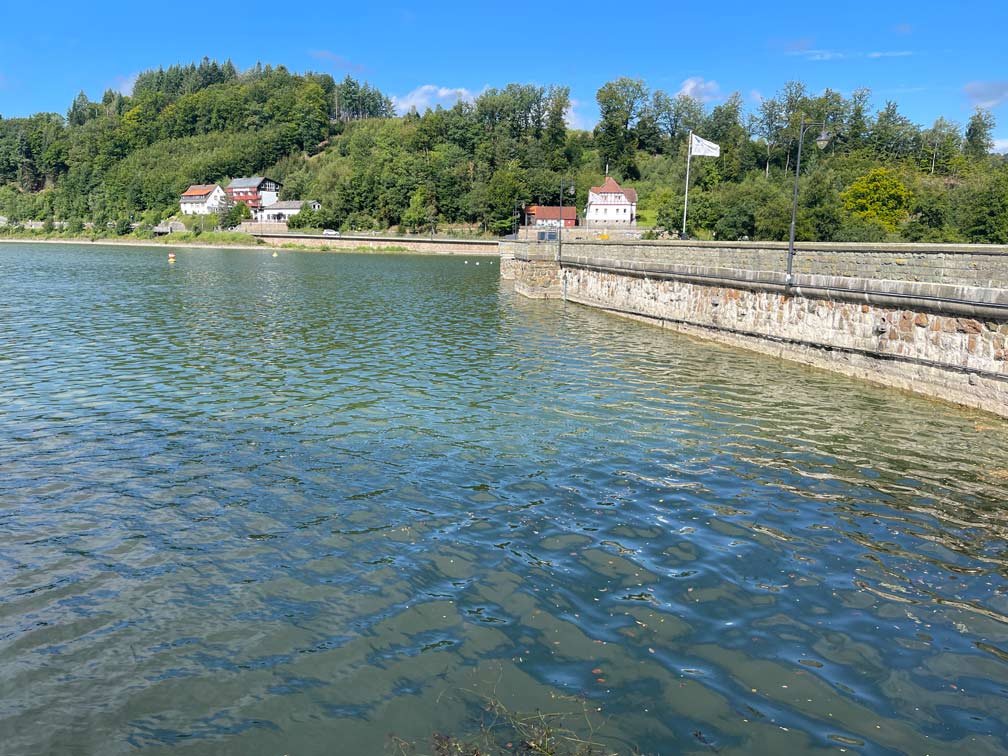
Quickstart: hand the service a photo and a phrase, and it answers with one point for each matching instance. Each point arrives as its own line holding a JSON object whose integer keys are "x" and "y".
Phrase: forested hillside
{"x": 127, "y": 158}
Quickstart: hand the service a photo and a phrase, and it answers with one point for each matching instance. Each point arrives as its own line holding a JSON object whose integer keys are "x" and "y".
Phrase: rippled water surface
{"x": 256, "y": 505}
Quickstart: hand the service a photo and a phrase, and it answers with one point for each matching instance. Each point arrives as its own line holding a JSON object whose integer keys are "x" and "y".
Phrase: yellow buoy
{"x": 274, "y": 254}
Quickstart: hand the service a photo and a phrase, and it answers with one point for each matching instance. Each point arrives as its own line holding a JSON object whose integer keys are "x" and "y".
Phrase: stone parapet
{"x": 955, "y": 264}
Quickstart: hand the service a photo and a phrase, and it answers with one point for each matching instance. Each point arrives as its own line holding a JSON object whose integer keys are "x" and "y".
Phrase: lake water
{"x": 300, "y": 505}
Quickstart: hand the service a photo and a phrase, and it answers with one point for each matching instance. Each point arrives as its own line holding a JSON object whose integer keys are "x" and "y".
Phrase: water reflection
{"x": 255, "y": 505}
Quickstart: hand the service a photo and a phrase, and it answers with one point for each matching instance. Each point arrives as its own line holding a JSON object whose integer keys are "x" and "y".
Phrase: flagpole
{"x": 689, "y": 154}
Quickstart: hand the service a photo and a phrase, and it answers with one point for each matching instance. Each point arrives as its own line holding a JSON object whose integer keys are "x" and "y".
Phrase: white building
{"x": 202, "y": 199}
{"x": 257, "y": 192}
{"x": 611, "y": 205}
{"x": 281, "y": 212}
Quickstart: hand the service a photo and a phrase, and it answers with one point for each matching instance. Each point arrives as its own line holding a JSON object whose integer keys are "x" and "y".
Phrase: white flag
{"x": 700, "y": 146}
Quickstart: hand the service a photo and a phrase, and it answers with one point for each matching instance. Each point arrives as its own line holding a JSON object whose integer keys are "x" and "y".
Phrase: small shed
{"x": 169, "y": 227}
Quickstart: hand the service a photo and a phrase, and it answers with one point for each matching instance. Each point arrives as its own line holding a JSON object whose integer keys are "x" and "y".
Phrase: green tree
{"x": 676, "y": 116}
{"x": 508, "y": 187}
{"x": 893, "y": 136}
{"x": 878, "y": 197}
{"x": 942, "y": 145}
{"x": 236, "y": 213}
{"x": 668, "y": 210}
{"x": 422, "y": 211}
{"x": 979, "y": 134}
{"x": 986, "y": 210}
{"x": 771, "y": 120}
{"x": 621, "y": 104}
{"x": 555, "y": 135}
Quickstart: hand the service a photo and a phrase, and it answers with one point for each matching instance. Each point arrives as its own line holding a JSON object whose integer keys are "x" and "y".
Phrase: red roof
{"x": 199, "y": 190}
{"x": 552, "y": 212}
{"x": 609, "y": 186}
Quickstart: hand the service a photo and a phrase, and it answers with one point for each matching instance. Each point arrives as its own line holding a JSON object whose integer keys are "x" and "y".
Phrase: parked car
{"x": 329, "y": 232}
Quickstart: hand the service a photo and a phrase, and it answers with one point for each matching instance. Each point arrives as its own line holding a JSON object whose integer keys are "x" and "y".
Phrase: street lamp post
{"x": 821, "y": 141}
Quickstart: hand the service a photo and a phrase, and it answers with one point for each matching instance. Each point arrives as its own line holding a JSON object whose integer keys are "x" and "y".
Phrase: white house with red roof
{"x": 202, "y": 199}
{"x": 611, "y": 205}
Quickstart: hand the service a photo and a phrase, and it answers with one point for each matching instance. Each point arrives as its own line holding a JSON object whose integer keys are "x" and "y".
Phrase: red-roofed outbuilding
{"x": 549, "y": 215}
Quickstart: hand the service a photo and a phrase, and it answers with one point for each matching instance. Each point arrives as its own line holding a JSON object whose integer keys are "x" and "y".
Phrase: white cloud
{"x": 1001, "y": 145}
{"x": 575, "y": 119}
{"x": 824, "y": 55}
{"x": 124, "y": 84}
{"x": 756, "y": 96}
{"x": 903, "y": 29}
{"x": 818, "y": 54}
{"x": 429, "y": 96}
{"x": 700, "y": 89}
{"x": 987, "y": 94}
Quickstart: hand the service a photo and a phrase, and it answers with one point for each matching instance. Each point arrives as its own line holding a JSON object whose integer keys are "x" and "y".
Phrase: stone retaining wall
{"x": 408, "y": 243}
{"x": 942, "y": 330}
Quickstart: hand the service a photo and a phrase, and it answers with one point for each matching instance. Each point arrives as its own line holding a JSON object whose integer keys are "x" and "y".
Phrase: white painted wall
{"x": 208, "y": 207}
{"x": 609, "y": 209}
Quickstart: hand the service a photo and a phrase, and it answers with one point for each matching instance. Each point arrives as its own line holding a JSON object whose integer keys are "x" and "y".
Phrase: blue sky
{"x": 934, "y": 59}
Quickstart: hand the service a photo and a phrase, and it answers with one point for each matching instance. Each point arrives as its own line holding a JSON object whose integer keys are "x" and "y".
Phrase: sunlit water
{"x": 293, "y": 505}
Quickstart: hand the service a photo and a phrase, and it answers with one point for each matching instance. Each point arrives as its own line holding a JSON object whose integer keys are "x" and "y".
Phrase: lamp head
{"x": 823, "y": 139}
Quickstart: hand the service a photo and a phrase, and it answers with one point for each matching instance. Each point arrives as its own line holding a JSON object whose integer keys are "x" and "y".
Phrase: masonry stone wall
{"x": 928, "y": 319}
{"x": 965, "y": 265}
{"x": 379, "y": 243}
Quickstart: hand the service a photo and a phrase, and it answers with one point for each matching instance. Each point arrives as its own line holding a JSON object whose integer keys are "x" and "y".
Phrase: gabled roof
{"x": 199, "y": 190}
{"x": 552, "y": 212}
{"x": 609, "y": 186}
{"x": 252, "y": 182}
{"x": 286, "y": 205}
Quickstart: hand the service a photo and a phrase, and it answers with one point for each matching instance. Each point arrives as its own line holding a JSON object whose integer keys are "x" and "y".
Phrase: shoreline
{"x": 291, "y": 246}
{"x": 127, "y": 243}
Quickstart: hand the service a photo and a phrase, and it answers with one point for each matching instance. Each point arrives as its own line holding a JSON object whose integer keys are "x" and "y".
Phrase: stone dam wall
{"x": 932, "y": 319}
{"x": 423, "y": 244}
